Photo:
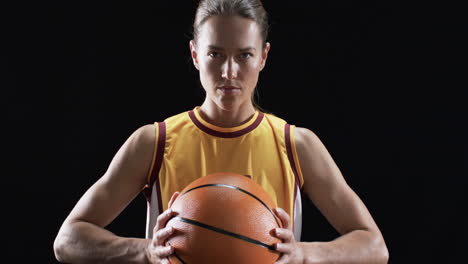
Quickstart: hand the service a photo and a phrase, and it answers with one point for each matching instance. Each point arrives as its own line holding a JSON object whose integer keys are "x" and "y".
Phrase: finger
{"x": 285, "y": 219}
{"x": 283, "y": 248}
{"x": 164, "y": 252}
{"x": 284, "y": 234}
{"x": 173, "y": 198}
{"x": 283, "y": 259}
{"x": 163, "y": 218}
{"x": 162, "y": 235}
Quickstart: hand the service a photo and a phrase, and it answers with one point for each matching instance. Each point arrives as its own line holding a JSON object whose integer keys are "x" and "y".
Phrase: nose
{"x": 230, "y": 69}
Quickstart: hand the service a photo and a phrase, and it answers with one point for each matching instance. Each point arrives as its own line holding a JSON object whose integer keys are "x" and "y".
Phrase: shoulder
{"x": 134, "y": 158}
{"x": 317, "y": 165}
{"x": 311, "y": 152}
{"x": 305, "y": 138}
{"x": 144, "y": 134}
{"x": 140, "y": 144}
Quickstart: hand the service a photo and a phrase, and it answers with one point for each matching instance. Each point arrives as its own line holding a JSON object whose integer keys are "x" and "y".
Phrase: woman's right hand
{"x": 158, "y": 253}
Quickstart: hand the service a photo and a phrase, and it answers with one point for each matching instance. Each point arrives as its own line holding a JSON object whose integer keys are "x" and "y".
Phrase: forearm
{"x": 82, "y": 242}
{"x": 355, "y": 247}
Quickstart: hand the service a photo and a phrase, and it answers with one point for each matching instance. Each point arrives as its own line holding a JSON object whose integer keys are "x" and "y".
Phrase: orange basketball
{"x": 224, "y": 218}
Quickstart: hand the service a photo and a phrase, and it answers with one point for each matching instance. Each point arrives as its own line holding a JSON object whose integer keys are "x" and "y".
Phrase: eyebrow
{"x": 219, "y": 48}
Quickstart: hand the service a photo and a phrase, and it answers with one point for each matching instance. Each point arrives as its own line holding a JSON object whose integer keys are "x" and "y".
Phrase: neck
{"x": 226, "y": 117}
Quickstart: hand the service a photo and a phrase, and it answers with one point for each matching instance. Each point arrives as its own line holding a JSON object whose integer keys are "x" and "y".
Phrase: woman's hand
{"x": 158, "y": 253}
{"x": 291, "y": 252}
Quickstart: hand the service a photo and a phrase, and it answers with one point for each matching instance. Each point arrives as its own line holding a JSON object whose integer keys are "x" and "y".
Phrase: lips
{"x": 228, "y": 87}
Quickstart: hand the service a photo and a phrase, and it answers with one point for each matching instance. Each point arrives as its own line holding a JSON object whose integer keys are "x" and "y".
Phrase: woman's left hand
{"x": 290, "y": 250}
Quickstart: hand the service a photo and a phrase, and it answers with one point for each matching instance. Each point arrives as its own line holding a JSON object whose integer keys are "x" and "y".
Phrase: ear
{"x": 265, "y": 55}
{"x": 193, "y": 53}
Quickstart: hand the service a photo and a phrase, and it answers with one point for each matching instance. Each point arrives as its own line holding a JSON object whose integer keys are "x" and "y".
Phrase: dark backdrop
{"x": 380, "y": 84}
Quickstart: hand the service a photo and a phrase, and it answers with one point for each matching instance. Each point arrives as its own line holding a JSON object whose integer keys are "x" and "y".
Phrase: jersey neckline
{"x": 225, "y": 132}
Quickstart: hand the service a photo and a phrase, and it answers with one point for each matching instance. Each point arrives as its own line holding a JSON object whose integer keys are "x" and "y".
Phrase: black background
{"x": 379, "y": 82}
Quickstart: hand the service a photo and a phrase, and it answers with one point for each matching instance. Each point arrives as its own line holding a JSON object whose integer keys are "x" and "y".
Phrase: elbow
{"x": 384, "y": 254}
{"x": 59, "y": 249}
{"x": 61, "y": 244}
{"x": 381, "y": 251}
{"x": 376, "y": 250}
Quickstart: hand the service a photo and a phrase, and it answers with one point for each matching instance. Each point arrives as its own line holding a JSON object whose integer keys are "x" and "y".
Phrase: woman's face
{"x": 229, "y": 57}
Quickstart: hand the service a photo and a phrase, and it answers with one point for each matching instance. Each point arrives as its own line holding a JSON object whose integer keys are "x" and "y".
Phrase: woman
{"x": 227, "y": 132}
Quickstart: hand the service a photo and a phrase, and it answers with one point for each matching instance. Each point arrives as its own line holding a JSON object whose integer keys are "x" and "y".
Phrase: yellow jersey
{"x": 188, "y": 147}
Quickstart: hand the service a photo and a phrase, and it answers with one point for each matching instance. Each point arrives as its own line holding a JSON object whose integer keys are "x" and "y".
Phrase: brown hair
{"x": 251, "y": 9}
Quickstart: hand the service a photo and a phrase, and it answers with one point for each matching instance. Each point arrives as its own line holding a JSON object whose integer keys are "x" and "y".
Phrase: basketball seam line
{"x": 177, "y": 256}
{"x": 225, "y": 232}
{"x": 238, "y": 189}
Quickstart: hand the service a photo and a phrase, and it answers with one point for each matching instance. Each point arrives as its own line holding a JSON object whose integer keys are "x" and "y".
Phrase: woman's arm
{"x": 82, "y": 237}
{"x": 361, "y": 240}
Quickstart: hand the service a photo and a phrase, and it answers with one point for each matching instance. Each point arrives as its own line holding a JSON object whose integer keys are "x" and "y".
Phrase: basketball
{"x": 223, "y": 218}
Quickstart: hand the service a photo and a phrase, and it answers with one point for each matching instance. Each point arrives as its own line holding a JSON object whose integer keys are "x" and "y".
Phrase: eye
{"x": 214, "y": 54}
{"x": 246, "y": 55}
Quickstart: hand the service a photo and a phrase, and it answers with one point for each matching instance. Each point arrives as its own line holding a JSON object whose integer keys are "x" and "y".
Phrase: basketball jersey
{"x": 188, "y": 147}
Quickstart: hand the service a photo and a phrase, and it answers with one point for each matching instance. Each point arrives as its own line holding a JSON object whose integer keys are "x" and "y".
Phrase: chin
{"x": 228, "y": 105}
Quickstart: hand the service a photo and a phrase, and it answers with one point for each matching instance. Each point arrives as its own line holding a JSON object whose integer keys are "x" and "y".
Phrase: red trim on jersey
{"x": 287, "y": 134}
{"x": 225, "y": 134}
{"x": 157, "y": 164}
